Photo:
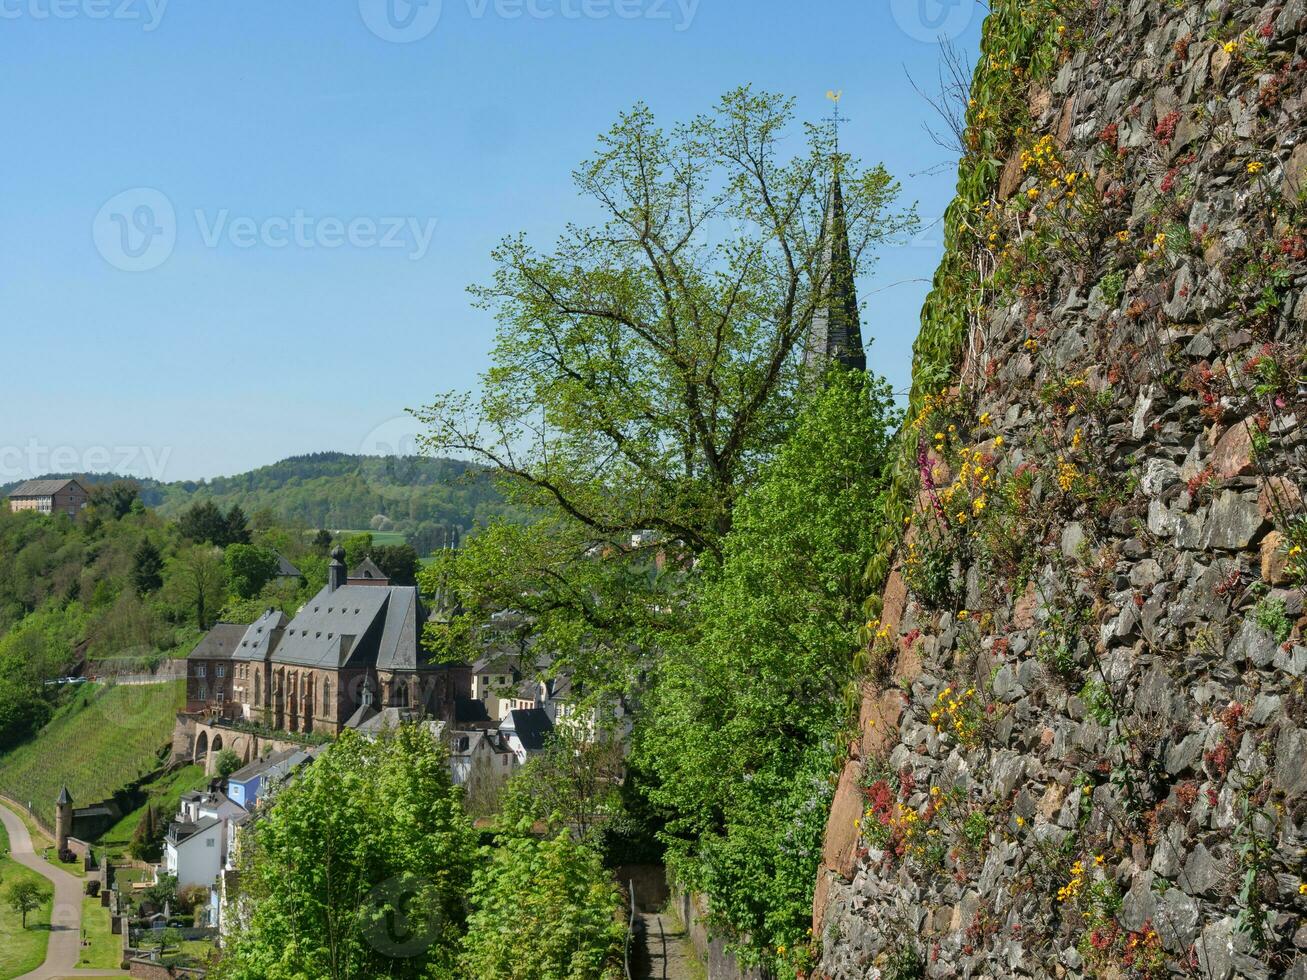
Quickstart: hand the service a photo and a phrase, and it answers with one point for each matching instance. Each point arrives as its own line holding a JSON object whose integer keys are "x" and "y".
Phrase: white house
{"x": 195, "y": 848}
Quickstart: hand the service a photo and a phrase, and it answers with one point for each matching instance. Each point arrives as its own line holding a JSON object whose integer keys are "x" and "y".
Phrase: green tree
{"x": 249, "y": 569}
{"x": 359, "y": 870}
{"x": 196, "y": 583}
{"x": 25, "y": 896}
{"x": 147, "y": 567}
{"x": 398, "y": 561}
{"x": 644, "y": 368}
{"x": 741, "y": 725}
{"x": 322, "y": 542}
{"x": 543, "y": 910}
{"x": 226, "y": 763}
{"x": 573, "y": 784}
{"x": 237, "y": 527}
{"x": 203, "y": 523}
{"x": 115, "y": 499}
{"x": 357, "y": 547}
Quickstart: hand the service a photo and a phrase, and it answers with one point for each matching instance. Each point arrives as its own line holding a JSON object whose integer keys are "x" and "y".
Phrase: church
{"x": 350, "y": 652}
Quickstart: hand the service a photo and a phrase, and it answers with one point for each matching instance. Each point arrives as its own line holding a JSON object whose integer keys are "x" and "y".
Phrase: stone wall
{"x": 1084, "y": 751}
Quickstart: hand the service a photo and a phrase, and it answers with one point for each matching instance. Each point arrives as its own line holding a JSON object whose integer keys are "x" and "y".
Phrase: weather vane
{"x": 835, "y": 95}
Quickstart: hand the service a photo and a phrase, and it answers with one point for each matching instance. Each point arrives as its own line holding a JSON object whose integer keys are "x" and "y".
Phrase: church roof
{"x": 220, "y": 643}
{"x": 835, "y": 334}
{"x": 261, "y": 636}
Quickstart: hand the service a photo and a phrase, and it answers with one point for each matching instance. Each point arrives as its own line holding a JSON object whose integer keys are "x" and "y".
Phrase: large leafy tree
{"x": 359, "y": 869}
{"x": 544, "y": 910}
{"x": 250, "y": 568}
{"x": 645, "y": 367}
{"x": 740, "y": 727}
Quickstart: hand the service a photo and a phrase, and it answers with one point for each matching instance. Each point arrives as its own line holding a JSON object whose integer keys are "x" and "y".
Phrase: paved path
{"x": 667, "y": 952}
{"x": 62, "y": 954}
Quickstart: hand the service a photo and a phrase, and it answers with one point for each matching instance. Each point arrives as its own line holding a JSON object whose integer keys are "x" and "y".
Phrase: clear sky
{"x": 290, "y": 140}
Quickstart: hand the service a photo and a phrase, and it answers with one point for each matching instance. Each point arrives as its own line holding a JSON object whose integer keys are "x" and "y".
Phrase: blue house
{"x": 246, "y": 786}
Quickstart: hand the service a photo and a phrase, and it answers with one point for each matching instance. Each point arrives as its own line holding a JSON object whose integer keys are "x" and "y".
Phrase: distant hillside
{"x": 412, "y": 495}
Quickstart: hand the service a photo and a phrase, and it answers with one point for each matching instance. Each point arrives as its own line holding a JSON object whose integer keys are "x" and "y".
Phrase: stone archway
{"x": 215, "y": 747}
{"x": 201, "y": 748}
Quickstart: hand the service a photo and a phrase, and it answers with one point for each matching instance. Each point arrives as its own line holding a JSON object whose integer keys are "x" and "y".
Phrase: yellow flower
{"x": 934, "y": 791}
{"x": 939, "y": 437}
{"x": 1061, "y": 29}
{"x": 1160, "y": 240}
{"x": 1302, "y": 889}
{"x": 978, "y": 505}
{"x": 1295, "y": 551}
{"x": 1033, "y": 193}
{"x": 780, "y": 950}
{"x": 1256, "y": 166}
{"x": 998, "y": 442}
{"x": 1098, "y": 860}
{"x": 1230, "y": 47}
{"x": 1021, "y": 822}
{"x": 984, "y": 418}
{"x": 1123, "y": 236}
{"x": 1071, "y": 410}
{"x": 963, "y": 614}
{"x": 1031, "y": 345}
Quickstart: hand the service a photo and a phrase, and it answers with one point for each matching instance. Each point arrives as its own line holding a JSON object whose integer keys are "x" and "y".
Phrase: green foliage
{"x": 573, "y": 784}
{"x": 643, "y": 369}
{"x": 196, "y": 584}
{"x": 359, "y": 870}
{"x": 1098, "y": 702}
{"x": 26, "y": 896}
{"x": 1271, "y": 615}
{"x": 740, "y": 729}
{"x": 147, "y": 567}
{"x": 249, "y": 569}
{"x": 398, "y": 561}
{"x": 1112, "y": 285}
{"x": 543, "y": 910}
{"x": 226, "y": 763}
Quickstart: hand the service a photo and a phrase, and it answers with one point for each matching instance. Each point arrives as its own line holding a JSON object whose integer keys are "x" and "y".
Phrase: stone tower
{"x": 835, "y": 334}
{"x": 63, "y": 820}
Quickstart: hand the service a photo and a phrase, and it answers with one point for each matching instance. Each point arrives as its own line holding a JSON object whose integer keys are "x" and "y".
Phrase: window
{"x": 204, "y": 693}
{"x": 222, "y": 671}
{"x": 210, "y": 843}
{"x": 200, "y": 670}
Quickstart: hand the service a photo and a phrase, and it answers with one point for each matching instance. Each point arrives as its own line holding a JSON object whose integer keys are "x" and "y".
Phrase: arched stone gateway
{"x": 201, "y": 748}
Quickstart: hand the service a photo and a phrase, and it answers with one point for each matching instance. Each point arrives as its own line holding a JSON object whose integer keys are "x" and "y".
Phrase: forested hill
{"x": 414, "y": 495}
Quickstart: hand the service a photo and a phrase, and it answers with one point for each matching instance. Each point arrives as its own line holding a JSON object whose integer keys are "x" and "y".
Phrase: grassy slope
{"x": 21, "y": 949}
{"x": 102, "y": 740}
{"x": 165, "y": 795}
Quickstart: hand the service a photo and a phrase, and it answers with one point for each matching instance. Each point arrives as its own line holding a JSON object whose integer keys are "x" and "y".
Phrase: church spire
{"x": 835, "y": 334}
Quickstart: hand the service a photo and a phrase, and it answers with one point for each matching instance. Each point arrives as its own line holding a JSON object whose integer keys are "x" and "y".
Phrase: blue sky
{"x": 437, "y": 134}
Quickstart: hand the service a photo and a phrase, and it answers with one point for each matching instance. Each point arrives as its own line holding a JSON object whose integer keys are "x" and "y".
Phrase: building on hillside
{"x": 353, "y": 649}
{"x": 246, "y": 786}
{"x": 195, "y": 846}
{"x": 49, "y": 497}
{"x": 286, "y": 569}
{"x": 526, "y": 731}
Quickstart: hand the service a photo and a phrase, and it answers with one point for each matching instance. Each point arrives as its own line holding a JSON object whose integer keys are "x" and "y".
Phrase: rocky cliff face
{"x": 1084, "y": 752}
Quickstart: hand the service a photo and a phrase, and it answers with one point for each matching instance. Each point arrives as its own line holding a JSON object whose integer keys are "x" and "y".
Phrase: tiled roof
{"x": 219, "y": 643}
{"x": 39, "y": 488}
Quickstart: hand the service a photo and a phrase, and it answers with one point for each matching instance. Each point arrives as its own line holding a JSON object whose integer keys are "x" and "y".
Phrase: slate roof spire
{"x": 835, "y": 334}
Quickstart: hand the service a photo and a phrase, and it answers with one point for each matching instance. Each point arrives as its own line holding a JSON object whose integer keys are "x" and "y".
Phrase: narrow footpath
{"x": 667, "y": 951}
{"x": 62, "y": 954}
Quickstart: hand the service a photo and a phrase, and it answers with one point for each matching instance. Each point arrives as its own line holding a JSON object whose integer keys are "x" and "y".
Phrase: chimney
{"x": 336, "y": 570}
